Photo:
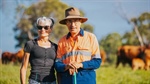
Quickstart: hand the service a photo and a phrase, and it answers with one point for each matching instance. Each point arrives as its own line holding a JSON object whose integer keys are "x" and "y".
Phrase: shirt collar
{"x": 81, "y": 33}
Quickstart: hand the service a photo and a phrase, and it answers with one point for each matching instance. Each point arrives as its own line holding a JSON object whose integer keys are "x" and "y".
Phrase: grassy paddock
{"x": 9, "y": 74}
{"x": 122, "y": 75}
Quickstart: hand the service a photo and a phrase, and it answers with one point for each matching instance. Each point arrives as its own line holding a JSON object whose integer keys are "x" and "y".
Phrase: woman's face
{"x": 44, "y": 28}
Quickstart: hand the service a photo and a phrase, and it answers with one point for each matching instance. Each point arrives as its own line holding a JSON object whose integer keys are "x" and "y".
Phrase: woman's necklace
{"x": 45, "y": 44}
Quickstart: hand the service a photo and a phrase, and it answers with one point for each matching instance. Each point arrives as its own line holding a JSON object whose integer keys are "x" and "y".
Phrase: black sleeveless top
{"x": 41, "y": 61}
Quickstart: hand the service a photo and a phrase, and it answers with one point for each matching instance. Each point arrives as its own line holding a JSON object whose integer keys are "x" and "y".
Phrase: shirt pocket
{"x": 83, "y": 47}
{"x": 66, "y": 49}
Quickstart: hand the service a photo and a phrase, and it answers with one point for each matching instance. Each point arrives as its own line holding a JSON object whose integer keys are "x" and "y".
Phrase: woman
{"x": 41, "y": 54}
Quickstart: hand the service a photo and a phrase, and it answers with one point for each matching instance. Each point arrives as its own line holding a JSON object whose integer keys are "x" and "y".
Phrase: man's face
{"x": 73, "y": 25}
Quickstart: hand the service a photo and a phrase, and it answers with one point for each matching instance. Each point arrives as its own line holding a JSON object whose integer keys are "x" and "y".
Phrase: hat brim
{"x": 63, "y": 21}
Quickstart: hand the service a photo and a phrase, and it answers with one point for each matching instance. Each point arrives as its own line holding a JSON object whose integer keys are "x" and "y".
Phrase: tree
{"x": 49, "y": 8}
{"x": 110, "y": 43}
{"x": 141, "y": 28}
{"x": 133, "y": 22}
{"x": 144, "y": 26}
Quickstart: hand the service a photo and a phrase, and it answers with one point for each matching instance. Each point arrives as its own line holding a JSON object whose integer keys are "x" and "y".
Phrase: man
{"x": 78, "y": 52}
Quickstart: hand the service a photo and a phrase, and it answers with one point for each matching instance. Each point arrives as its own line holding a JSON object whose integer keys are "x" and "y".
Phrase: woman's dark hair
{"x": 52, "y": 24}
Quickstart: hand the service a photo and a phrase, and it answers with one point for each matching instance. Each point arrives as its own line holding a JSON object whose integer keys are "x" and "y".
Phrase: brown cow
{"x": 147, "y": 59}
{"x": 137, "y": 63}
{"x": 19, "y": 55}
{"x": 7, "y": 57}
{"x": 103, "y": 56}
{"x": 126, "y": 53}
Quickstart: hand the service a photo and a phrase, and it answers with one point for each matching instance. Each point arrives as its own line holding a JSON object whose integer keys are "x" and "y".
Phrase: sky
{"x": 104, "y": 15}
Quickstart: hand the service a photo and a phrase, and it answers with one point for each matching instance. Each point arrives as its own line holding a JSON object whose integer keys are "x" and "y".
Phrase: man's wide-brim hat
{"x": 72, "y": 13}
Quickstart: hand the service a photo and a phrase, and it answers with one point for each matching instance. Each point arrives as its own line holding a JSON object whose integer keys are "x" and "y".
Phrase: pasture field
{"x": 107, "y": 74}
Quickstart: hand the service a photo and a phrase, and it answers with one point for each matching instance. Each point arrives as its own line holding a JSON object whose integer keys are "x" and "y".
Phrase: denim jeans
{"x": 31, "y": 81}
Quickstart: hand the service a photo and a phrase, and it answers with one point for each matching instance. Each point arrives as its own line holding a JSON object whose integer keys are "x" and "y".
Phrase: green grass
{"x": 10, "y": 74}
{"x": 108, "y": 74}
{"x": 122, "y": 75}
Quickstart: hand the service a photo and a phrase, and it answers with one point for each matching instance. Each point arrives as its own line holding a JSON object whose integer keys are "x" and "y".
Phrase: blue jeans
{"x": 31, "y": 81}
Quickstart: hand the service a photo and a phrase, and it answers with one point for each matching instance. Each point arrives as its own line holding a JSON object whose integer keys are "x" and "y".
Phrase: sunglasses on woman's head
{"x": 41, "y": 27}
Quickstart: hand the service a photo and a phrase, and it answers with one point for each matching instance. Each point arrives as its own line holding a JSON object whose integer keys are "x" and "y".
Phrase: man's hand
{"x": 73, "y": 67}
{"x": 69, "y": 66}
{"x": 72, "y": 71}
{"x": 77, "y": 65}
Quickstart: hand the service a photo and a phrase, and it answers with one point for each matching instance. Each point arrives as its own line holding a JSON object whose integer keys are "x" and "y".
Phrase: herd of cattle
{"x": 8, "y": 57}
{"x": 136, "y": 56}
